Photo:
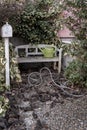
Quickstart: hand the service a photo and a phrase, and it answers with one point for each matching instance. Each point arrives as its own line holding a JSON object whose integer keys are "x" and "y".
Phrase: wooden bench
{"x": 32, "y": 54}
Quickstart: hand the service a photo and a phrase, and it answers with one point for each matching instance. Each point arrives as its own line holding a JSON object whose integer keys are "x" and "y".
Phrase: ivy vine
{"x": 40, "y": 22}
{"x": 14, "y": 75}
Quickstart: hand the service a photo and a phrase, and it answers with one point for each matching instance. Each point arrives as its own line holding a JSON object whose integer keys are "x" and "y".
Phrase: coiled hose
{"x": 35, "y": 79}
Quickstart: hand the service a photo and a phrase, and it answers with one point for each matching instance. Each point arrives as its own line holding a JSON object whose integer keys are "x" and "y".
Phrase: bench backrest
{"x": 31, "y": 50}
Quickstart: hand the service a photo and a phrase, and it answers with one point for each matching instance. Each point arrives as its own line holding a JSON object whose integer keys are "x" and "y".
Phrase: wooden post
{"x": 7, "y": 72}
{"x": 6, "y": 33}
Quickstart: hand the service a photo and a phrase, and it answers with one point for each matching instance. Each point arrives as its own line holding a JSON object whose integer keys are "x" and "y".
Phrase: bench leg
{"x": 59, "y": 67}
{"x": 54, "y": 66}
{"x": 60, "y": 57}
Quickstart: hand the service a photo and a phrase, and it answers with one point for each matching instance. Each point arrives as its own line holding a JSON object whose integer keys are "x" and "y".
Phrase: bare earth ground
{"x": 44, "y": 107}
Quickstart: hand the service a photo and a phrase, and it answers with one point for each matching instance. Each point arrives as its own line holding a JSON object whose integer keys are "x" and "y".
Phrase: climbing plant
{"x": 14, "y": 75}
{"x": 76, "y": 21}
{"x": 40, "y": 22}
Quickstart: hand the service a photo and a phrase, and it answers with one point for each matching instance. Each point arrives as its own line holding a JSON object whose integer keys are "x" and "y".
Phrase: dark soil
{"x": 43, "y": 107}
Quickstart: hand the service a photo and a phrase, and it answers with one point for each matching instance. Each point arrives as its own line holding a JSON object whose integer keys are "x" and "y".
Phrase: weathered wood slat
{"x": 36, "y": 59}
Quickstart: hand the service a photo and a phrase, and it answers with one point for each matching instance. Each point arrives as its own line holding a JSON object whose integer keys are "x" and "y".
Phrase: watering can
{"x": 48, "y": 51}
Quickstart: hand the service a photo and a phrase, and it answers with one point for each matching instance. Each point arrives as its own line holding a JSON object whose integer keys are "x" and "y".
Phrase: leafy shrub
{"x": 77, "y": 23}
{"x": 14, "y": 75}
{"x": 39, "y": 22}
{"x": 76, "y": 74}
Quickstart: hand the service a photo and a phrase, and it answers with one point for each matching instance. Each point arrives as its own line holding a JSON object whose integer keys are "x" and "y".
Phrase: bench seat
{"x": 33, "y": 59}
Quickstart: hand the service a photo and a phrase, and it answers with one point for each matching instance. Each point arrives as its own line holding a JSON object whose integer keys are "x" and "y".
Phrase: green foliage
{"x": 77, "y": 22}
{"x": 70, "y": 49}
{"x": 39, "y": 22}
{"x": 75, "y": 74}
{"x": 14, "y": 73}
{"x": 3, "y": 105}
